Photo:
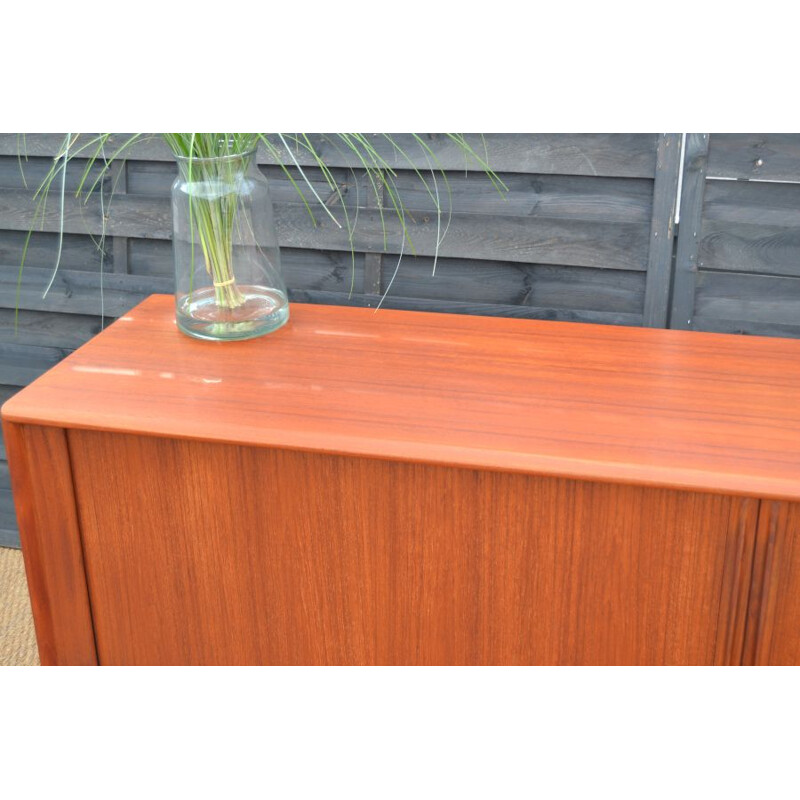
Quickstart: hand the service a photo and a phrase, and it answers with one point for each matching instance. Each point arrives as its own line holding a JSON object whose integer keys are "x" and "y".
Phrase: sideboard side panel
{"x": 201, "y": 553}
{"x": 44, "y": 496}
{"x": 773, "y": 620}
{"x": 737, "y": 576}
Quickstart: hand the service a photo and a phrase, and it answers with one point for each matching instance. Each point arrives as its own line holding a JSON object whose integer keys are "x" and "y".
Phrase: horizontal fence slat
{"x": 47, "y": 328}
{"x": 501, "y": 282}
{"x": 6, "y": 392}
{"x": 755, "y": 156}
{"x": 616, "y": 154}
{"x": 748, "y": 327}
{"x": 312, "y": 269}
{"x": 78, "y": 251}
{"x": 564, "y": 196}
{"x": 608, "y": 200}
{"x": 748, "y": 301}
{"x": 507, "y": 284}
{"x": 620, "y": 155}
{"x": 751, "y": 227}
{"x": 532, "y": 239}
{"x": 29, "y": 174}
{"x": 153, "y": 257}
{"x": 75, "y": 292}
{"x": 456, "y": 279}
{"x": 9, "y": 537}
{"x": 147, "y": 217}
{"x": 529, "y": 240}
{"x": 20, "y": 363}
{"x": 480, "y": 309}
{"x": 753, "y": 203}
{"x": 761, "y": 249}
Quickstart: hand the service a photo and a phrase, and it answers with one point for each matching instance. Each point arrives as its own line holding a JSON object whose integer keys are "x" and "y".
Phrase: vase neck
{"x": 219, "y": 168}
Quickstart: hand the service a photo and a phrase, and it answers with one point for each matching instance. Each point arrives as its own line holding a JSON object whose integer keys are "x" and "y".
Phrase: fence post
{"x": 662, "y": 229}
{"x": 694, "y": 183}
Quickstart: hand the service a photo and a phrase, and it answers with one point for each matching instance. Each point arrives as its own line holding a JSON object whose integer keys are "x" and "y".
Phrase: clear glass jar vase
{"x": 228, "y": 279}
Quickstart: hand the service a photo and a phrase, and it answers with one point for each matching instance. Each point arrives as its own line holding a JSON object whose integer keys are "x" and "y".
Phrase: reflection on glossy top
{"x": 673, "y": 408}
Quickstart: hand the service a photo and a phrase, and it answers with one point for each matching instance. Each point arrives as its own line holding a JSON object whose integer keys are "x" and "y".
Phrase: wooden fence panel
{"x": 583, "y": 234}
{"x": 9, "y": 537}
{"x": 630, "y": 155}
{"x": 659, "y": 265}
{"x": 738, "y": 254}
{"x": 755, "y": 156}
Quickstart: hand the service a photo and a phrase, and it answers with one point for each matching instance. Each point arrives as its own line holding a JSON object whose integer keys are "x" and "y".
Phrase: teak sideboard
{"x": 412, "y": 488}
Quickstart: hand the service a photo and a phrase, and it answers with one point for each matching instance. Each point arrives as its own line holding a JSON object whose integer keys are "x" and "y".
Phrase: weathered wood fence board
{"x": 630, "y": 155}
{"x": 694, "y": 185}
{"x": 738, "y": 255}
{"x": 758, "y": 156}
{"x": 553, "y": 230}
{"x": 583, "y": 234}
{"x": 8, "y": 522}
{"x": 659, "y": 265}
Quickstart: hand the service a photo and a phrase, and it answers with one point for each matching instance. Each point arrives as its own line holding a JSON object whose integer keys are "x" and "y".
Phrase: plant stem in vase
{"x": 227, "y": 263}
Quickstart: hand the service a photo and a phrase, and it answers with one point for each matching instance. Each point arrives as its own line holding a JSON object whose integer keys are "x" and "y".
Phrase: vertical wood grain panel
{"x": 773, "y": 622}
{"x": 662, "y": 230}
{"x": 694, "y": 184}
{"x": 737, "y": 576}
{"x": 51, "y": 546}
{"x": 211, "y": 553}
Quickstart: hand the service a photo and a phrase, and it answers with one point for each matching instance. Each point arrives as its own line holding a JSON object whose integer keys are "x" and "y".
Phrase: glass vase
{"x": 228, "y": 279}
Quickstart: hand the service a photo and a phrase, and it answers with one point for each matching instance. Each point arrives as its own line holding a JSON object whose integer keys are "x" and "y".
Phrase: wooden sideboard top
{"x": 711, "y": 412}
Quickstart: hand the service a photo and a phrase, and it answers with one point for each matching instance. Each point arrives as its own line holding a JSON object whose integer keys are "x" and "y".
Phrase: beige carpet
{"x": 17, "y": 637}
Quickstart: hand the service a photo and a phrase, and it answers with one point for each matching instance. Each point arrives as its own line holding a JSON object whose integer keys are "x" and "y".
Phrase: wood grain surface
{"x": 662, "y": 229}
{"x": 627, "y": 154}
{"x": 677, "y": 409}
{"x": 737, "y": 264}
{"x": 51, "y": 542}
{"x": 773, "y": 624}
{"x": 202, "y": 553}
{"x": 541, "y": 236}
{"x": 755, "y": 156}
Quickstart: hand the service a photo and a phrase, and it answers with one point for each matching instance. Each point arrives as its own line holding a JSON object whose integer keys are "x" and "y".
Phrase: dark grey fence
{"x": 738, "y": 254}
{"x": 585, "y": 233}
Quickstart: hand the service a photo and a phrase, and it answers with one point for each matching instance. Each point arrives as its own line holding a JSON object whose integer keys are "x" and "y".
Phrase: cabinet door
{"x": 50, "y": 534}
{"x": 202, "y": 553}
{"x": 773, "y": 620}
